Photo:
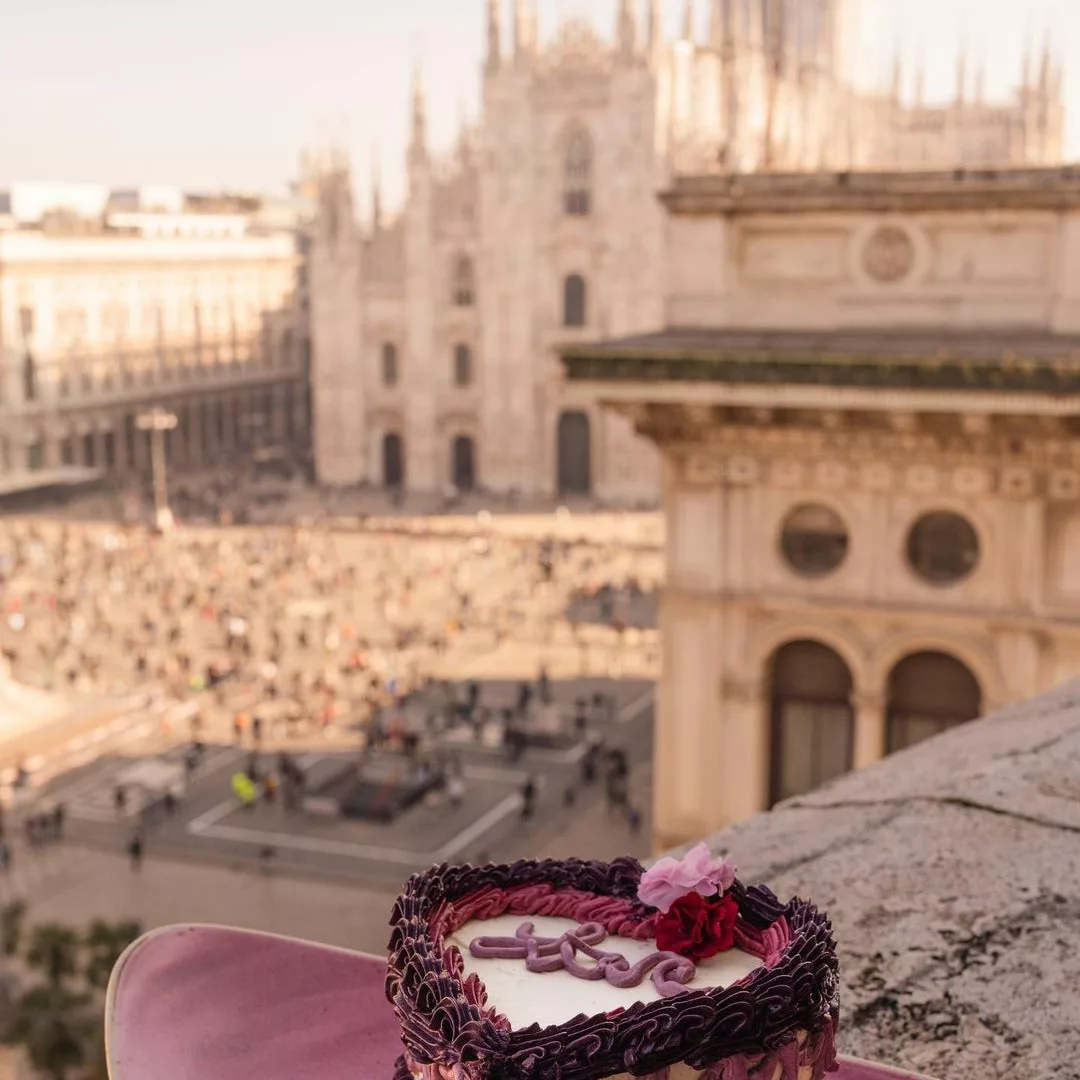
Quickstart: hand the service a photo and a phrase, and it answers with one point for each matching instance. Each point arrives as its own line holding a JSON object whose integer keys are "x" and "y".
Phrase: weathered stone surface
{"x": 952, "y": 876}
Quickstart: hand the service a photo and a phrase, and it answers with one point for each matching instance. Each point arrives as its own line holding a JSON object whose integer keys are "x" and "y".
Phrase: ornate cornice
{"x": 1054, "y": 189}
{"x": 609, "y": 363}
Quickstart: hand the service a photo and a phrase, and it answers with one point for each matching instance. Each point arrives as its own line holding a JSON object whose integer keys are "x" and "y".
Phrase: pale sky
{"x": 223, "y": 93}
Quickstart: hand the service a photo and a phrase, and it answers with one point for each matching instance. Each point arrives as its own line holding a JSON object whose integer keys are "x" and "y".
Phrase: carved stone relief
{"x": 876, "y": 476}
{"x": 922, "y": 479}
{"x": 1064, "y": 485}
{"x": 831, "y": 475}
{"x": 701, "y": 470}
{"x": 788, "y": 474}
{"x": 889, "y": 255}
{"x": 970, "y": 480}
{"x": 1017, "y": 483}
{"x": 743, "y": 471}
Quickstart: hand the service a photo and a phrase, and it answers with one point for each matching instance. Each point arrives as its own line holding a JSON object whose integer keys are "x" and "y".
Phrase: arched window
{"x": 393, "y": 461}
{"x": 574, "y": 307}
{"x": 928, "y": 693}
{"x": 463, "y": 463}
{"x": 463, "y": 290}
{"x": 812, "y": 719}
{"x": 462, "y": 365}
{"x": 29, "y": 378}
{"x": 389, "y": 364}
{"x": 577, "y": 174}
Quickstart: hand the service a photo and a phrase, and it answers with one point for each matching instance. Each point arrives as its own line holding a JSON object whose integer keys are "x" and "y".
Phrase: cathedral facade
{"x": 436, "y": 332}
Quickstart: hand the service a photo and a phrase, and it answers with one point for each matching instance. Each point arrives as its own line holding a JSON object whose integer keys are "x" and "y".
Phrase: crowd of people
{"x": 291, "y": 630}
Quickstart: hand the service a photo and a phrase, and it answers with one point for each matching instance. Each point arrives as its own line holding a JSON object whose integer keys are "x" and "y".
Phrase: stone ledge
{"x": 952, "y": 877}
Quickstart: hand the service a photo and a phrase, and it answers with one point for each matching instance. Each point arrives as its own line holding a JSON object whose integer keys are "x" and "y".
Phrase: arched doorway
{"x": 574, "y": 454}
{"x": 928, "y": 693}
{"x": 811, "y": 718}
{"x": 463, "y": 467}
{"x": 393, "y": 461}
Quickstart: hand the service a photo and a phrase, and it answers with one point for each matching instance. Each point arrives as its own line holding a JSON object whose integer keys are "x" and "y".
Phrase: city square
{"x": 342, "y": 651}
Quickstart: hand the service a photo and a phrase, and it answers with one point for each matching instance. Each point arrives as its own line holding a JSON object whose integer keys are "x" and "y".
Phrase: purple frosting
{"x": 670, "y": 972}
{"x": 446, "y": 1020}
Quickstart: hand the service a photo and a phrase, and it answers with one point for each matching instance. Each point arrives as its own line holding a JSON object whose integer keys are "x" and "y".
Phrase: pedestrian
{"x": 256, "y": 729}
{"x": 544, "y": 686}
{"x": 5, "y": 856}
{"x": 528, "y": 798}
{"x": 267, "y": 854}
{"x": 455, "y": 790}
{"x": 633, "y": 819}
{"x": 135, "y": 851}
{"x": 59, "y": 814}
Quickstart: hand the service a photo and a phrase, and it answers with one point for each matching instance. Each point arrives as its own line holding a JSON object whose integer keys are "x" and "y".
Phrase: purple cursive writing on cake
{"x": 669, "y": 972}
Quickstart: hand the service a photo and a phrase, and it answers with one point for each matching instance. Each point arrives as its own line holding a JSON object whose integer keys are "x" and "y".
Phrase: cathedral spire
{"x": 979, "y": 91}
{"x": 494, "y": 37}
{"x": 626, "y": 30}
{"x": 897, "y": 82}
{"x": 961, "y": 73}
{"x": 523, "y": 25}
{"x": 656, "y": 28}
{"x": 376, "y": 192}
{"x": 419, "y": 111}
{"x": 688, "y": 21}
{"x": 1046, "y": 63}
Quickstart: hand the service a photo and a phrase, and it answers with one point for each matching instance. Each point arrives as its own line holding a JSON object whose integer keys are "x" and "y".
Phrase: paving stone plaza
{"x": 342, "y": 648}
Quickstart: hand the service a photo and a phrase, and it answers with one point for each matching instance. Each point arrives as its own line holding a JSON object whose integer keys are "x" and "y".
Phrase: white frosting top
{"x": 527, "y": 997}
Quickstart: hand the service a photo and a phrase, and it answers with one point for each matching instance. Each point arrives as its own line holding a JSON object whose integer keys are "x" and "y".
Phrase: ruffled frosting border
{"x": 446, "y": 1021}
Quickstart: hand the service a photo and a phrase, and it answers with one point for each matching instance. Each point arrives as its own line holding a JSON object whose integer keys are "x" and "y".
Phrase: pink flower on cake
{"x": 698, "y": 871}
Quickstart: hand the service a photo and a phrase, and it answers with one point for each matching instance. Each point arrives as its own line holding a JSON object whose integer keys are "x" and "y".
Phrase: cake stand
{"x": 214, "y": 1003}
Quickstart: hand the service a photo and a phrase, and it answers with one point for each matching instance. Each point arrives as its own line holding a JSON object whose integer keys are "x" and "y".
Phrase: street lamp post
{"x": 156, "y": 422}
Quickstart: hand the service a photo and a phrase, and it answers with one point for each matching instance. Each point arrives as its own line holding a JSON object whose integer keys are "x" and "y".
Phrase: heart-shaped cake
{"x": 575, "y": 970}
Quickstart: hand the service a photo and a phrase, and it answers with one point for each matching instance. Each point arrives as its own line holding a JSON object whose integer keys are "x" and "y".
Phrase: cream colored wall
{"x": 731, "y": 601}
{"x": 810, "y": 271}
{"x": 118, "y": 318}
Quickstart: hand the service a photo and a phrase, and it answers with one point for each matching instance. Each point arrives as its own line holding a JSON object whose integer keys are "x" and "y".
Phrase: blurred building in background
{"x": 867, "y": 400}
{"x": 435, "y": 331}
{"x": 114, "y": 302}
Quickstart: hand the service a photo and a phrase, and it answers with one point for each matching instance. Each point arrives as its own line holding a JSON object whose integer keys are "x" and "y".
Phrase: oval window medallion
{"x": 889, "y": 254}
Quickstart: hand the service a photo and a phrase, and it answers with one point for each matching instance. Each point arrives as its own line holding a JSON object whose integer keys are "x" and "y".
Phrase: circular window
{"x": 814, "y": 540}
{"x": 943, "y": 548}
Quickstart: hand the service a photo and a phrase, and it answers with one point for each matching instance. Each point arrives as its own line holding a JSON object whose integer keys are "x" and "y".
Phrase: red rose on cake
{"x": 698, "y": 927}
{"x": 697, "y": 917}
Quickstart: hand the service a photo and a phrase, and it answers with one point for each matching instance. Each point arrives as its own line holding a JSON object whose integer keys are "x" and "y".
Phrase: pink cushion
{"x": 211, "y": 1003}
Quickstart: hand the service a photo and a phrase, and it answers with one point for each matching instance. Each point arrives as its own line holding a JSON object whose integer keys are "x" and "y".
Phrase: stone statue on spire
{"x": 376, "y": 193}
{"x": 656, "y": 30}
{"x": 494, "y": 38}
{"x": 626, "y": 31}
{"x": 688, "y": 21}
{"x": 418, "y": 143}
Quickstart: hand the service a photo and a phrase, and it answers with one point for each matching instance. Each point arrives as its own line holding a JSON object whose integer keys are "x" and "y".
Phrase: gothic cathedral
{"x": 435, "y": 333}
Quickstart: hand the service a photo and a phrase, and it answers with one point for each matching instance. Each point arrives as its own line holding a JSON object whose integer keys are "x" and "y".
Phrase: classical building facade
{"x": 436, "y": 331}
{"x": 115, "y": 302}
{"x": 867, "y": 403}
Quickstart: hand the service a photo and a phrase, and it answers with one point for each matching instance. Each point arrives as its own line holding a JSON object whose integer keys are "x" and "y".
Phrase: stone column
{"x": 747, "y": 745}
{"x": 141, "y": 461}
{"x": 869, "y": 711}
{"x": 196, "y": 457}
{"x": 52, "y": 449}
{"x": 277, "y": 423}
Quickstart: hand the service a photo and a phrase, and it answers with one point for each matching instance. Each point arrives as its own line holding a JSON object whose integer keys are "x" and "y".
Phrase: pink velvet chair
{"x": 212, "y": 1003}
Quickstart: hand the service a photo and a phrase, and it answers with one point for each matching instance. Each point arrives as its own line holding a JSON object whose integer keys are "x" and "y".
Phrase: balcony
{"x": 949, "y": 871}
{"x": 138, "y": 376}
